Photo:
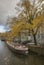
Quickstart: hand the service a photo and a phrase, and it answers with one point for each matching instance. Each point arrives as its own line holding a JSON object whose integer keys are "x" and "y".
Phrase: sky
{"x": 7, "y": 8}
{"x": 2, "y": 29}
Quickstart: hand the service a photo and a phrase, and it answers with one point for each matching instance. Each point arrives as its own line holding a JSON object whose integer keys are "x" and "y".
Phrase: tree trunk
{"x": 35, "y": 41}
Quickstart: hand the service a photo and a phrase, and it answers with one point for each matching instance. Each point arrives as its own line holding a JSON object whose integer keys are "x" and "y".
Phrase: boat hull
{"x": 37, "y": 49}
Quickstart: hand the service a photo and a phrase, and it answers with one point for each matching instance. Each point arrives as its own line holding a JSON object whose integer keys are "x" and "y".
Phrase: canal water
{"x": 7, "y": 57}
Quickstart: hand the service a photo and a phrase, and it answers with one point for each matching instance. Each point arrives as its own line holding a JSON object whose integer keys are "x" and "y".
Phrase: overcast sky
{"x": 7, "y": 8}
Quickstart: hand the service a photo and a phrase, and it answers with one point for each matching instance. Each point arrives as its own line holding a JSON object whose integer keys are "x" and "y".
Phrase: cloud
{"x": 7, "y": 7}
{"x": 2, "y": 29}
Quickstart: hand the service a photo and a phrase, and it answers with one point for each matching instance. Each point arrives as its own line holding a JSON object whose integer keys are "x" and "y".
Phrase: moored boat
{"x": 20, "y": 49}
{"x": 37, "y": 49}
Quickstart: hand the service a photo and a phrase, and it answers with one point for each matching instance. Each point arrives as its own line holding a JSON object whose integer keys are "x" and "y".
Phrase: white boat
{"x": 21, "y": 49}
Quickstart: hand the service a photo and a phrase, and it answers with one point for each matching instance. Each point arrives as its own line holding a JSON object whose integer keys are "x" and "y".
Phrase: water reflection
{"x": 1, "y": 46}
{"x": 7, "y": 57}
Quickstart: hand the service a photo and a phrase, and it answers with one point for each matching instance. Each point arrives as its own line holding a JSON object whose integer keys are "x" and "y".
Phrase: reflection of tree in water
{"x": 23, "y": 59}
{"x": 31, "y": 59}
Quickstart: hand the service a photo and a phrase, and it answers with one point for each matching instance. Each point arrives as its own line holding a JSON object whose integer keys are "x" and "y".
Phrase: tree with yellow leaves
{"x": 33, "y": 13}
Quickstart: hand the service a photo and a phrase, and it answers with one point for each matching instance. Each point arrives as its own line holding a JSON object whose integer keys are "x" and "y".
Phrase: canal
{"x": 7, "y": 57}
